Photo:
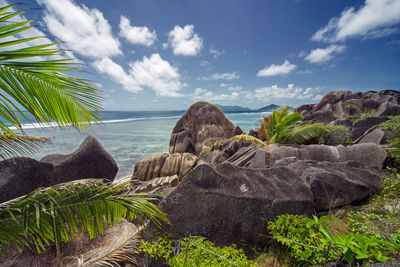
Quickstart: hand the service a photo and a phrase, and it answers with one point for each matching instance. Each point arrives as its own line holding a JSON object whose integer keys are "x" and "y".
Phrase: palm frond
{"x": 307, "y": 132}
{"x": 57, "y": 213}
{"x": 250, "y": 138}
{"x": 13, "y": 145}
{"x": 38, "y": 86}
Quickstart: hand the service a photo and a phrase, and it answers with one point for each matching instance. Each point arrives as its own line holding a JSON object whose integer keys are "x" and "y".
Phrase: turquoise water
{"x": 128, "y": 136}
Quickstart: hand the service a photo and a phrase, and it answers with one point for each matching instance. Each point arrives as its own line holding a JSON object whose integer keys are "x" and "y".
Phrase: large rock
{"x": 20, "y": 176}
{"x": 252, "y": 156}
{"x": 230, "y": 204}
{"x": 161, "y": 165}
{"x": 359, "y": 111}
{"x": 90, "y": 160}
{"x": 202, "y": 122}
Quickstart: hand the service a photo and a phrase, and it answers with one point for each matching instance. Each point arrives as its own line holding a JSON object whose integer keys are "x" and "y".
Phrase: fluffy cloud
{"x": 321, "y": 55}
{"x": 136, "y": 35}
{"x": 184, "y": 41}
{"x": 83, "y": 30}
{"x": 203, "y": 94}
{"x": 273, "y": 70}
{"x": 223, "y": 76}
{"x": 275, "y": 92}
{"x": 153, "y": 72}
{"x": 373, "y": 20}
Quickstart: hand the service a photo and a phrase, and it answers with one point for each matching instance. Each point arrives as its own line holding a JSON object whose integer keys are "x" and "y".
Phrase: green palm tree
{"x": 33, "y": 84}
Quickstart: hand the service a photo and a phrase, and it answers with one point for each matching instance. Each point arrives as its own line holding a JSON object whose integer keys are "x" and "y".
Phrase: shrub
{"x": 195, "y": 251}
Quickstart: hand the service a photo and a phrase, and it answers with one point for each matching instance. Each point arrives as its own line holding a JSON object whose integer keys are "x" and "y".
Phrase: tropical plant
{"x": 252, "y": 139}
{"x": 58, "y": 213}
{"x": 283, "y": 126}
{"x": 34, "y": 87}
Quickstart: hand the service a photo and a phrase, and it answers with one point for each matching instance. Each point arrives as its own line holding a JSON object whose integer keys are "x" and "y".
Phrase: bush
{"x": 311, "y": 242}
{"x": 195, "y": 251}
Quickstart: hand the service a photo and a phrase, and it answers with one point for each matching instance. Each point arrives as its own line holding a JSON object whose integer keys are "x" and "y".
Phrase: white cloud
{"x": 136, "y": 35}
{"x": 184, "y": 41}
{"x": 321, "y": 55}
{"x": 273, "y": 70}
{"x": 153, "y": 72}
{"x": 373, "y": 20}
{"x": 203, "y": 94}
{"x": 215, "y": 53}
{"x": 235, "y": 88}
{"x": 82, "y": 30}
{"x": 117, "y": 73}
{"x": 223, "y": 84}
{"x": 224, "y": 76}
{"x": 275, "y": 92}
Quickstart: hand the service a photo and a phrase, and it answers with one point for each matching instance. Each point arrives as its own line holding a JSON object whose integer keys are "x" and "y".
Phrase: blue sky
{"x": 168, "y": 54}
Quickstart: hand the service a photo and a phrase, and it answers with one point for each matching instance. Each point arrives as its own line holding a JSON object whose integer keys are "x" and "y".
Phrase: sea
{"x": 127, "y": 135}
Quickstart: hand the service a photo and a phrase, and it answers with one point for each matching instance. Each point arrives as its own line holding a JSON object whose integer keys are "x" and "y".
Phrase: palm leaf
{"x": 307, "y": 132}
{"x": 56, "y": 214}
{"x": 17, "y": 145}
{"x": 38, "y": 85}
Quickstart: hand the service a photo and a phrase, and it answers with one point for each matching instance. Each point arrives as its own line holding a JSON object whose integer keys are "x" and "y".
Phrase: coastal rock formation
{"x": 90, "y": 160}
{"x": 228, "y": 204}
{"x": 20, "y": 176}
{"x": 359, "y": 111}
{"x": 147, "y": 186}
{"x": 161, "y": 165}
{"x": 197, "y": 129}
{"x": 252, "y": 156}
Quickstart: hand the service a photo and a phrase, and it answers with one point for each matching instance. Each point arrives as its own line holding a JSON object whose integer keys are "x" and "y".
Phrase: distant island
{"x": 268, "y": 108}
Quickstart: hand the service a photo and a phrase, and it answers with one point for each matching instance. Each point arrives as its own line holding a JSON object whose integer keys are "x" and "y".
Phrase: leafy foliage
{"x": 307, "y": 132}
{"x": 311, "y": 242}
{"x": 195, "y": 251}
{"x": 31, "y": 83}
{"x": 57, "y": 213}
{"x": 393, "y": 125}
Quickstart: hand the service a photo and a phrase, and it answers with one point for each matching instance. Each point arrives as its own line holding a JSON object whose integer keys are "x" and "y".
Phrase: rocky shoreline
{"x": 225, "y": 189}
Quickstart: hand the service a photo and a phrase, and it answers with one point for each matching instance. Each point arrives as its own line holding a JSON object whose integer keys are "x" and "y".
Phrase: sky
{"x": 168, "y": 54}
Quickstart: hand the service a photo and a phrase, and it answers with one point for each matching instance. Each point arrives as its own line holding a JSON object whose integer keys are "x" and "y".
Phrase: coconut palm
{"x": 34, "y": 85}
{"x": 283, "y": 126}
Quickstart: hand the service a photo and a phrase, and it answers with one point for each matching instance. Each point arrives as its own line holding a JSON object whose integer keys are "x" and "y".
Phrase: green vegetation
{"x": 194, "y": 251}
{"x": 37, "y": 86}
{"x": 283, "y": 126}
{"x": 33, "y": 82}
{"x": 366, "y": 113}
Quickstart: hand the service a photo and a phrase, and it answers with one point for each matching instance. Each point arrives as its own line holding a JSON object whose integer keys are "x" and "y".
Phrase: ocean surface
{"x": 127, "y": 135}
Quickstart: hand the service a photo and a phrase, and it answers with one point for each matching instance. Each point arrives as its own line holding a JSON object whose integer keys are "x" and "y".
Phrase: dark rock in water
{"x": 229, "y": 204}
{"x": 202, "y": 122}
{"x": 237, "y": 131}
{"x": 90, "y": 160}
{"x": 20, "y": 176}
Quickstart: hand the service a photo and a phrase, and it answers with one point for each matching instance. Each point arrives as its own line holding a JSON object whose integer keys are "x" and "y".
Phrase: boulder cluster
{"x": 227, "y": 189}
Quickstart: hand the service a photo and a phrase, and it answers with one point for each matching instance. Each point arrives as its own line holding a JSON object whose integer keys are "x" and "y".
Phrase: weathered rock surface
{"x": 202, "y": 122}
{"x": 161, "y": 165}
{"x": 90, "y": 160}
{"x": 231, "y": 204}
{"x": 20, "y": 176}
{"x": 253, "y": 156}
{"x": 88, "y": 251}
{"x": 147, "y": 186}
{"x": 359, "y": 111}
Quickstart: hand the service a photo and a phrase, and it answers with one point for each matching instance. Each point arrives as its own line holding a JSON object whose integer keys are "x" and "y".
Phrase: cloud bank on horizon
{"x": 180, "y": 58}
